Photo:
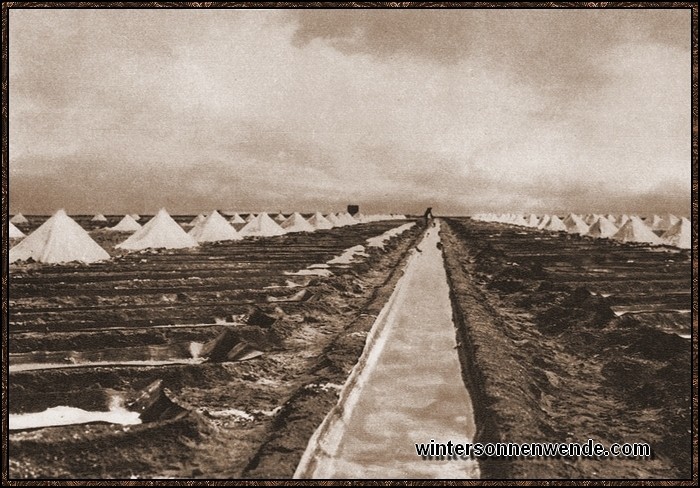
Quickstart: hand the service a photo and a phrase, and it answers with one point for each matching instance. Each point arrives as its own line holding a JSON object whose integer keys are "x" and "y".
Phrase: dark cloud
{"x": 555, "y": 48}
{"x": 439, "y": 35}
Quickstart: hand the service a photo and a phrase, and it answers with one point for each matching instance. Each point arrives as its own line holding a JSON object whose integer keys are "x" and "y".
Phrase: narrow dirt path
{"x": 407, "y": 389}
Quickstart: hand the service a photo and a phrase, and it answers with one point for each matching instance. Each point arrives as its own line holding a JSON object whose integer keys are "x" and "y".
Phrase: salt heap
{"x": 136, "y": 217}
{"x": 160, "y": 232}
{"x": 280, "y": 218}
{"x": 518, "y": 220}
{"x": 318, "y": 221}
{"x": 532, "y": 220}
{"x": 59, "y": 240}
{"x": 214, "y": 228}
{"x": 197, "y": 220}
{"x": 99, "y": 218}
{"x": 250, "y": 217}
{"x": 602, "y": 229}
{"x": 679, "y": 234}
{"x": 554, "y": 224}
{"x": 360, "y": 217}
{"x": 127, "y": 224}
{"x": 333, "y": 219}
{"x": 19, "y": 219}
{"x": 575, "y": 224}
{"x": 15, "y": 233}
{"x": 590, "y": 219}
{"x": 634, "y": 230}
{"x": 668, "y": 221}
{"x": 262, "y": 226}
{"x": 346, "y": 219}
{"x": 236, "y": 219}
{"x": 297, "y": 223}
{"x": 544, "y": 221}
{"x": 654, "y": 222}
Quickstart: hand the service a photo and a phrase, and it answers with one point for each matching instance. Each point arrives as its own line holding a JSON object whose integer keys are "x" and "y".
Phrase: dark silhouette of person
{"x": 428, "y": 216}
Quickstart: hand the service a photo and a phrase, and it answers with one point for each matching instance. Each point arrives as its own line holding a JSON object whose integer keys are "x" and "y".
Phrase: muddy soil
{"x": 248, "y": 419}
{"x": 546, "y": 358}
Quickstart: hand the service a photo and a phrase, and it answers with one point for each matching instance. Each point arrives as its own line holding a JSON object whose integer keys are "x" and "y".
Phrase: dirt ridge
{"x": 545, "y": 362}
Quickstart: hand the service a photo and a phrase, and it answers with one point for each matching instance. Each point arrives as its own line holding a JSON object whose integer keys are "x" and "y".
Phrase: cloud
{"x": 469, "y": 110}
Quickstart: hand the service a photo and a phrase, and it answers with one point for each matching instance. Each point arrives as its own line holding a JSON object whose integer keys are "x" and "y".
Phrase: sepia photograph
{"x": 360, "y": 241}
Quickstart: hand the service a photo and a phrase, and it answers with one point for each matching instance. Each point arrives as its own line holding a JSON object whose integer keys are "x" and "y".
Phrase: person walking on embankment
{"x": 428, "y": 216}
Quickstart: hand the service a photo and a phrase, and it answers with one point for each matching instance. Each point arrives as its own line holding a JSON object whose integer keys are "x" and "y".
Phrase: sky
{"x": 466, "y": 111}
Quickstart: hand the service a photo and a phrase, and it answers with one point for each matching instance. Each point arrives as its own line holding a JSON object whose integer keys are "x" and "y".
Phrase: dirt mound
{"x": 578, "y": 308}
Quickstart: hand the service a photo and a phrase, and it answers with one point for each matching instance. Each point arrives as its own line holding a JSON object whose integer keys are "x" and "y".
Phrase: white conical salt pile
{"x": 602, "y": 229}
{"x": 14, "y": 232}
{"x": 347, "y": 219}
{"x": 262, "y": 226}
{"x": 279, "y": 218}
{"x": 543, "y": 221}
{"x": 197, "y": 220}
{"x": 519, "y": 220}
{"x": 679, "y": 234}
{"x": 359, "y": 217}
{"x": 19, "y": 219}
{"x": 622, "y": 220}
{"x": 99, "y": 218}
{"x": 318, "y": 221}
{"x": 214, "y": 228}
{"x": 532, "y": 220}
{"x": 668, "y": 221}
{"x": 127, "y": 224}
{"x": 297, "y": 223}
{"x": 136, "y": 217}
{"x": 575, "y": 224}
{"x": 653, "y": 222}
{"x": 634, "y": 230}
{"x": 555, "y": 224}
{"x": 611, "y": 218}
{"x": 334, "y": 219}
{"x": 236, "y": 219}
{"x": 59, "y": 240}
{"x": 250, "y": 217}
{"x": 160, "y": 232}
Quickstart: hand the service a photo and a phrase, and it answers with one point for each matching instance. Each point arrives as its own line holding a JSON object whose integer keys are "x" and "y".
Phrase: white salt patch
{"x": 324, "y": 387}
{"x": 268, "y": 413}
{"x": 348, "y": 255}
{"x": 231, "y": 412}
{"x": 96, "y": 364}
{"x": 380, "y": 240}
{"x": 63, "y": 415}
{"x": 310, "y": 272}
{"x": 196, "y": 349}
